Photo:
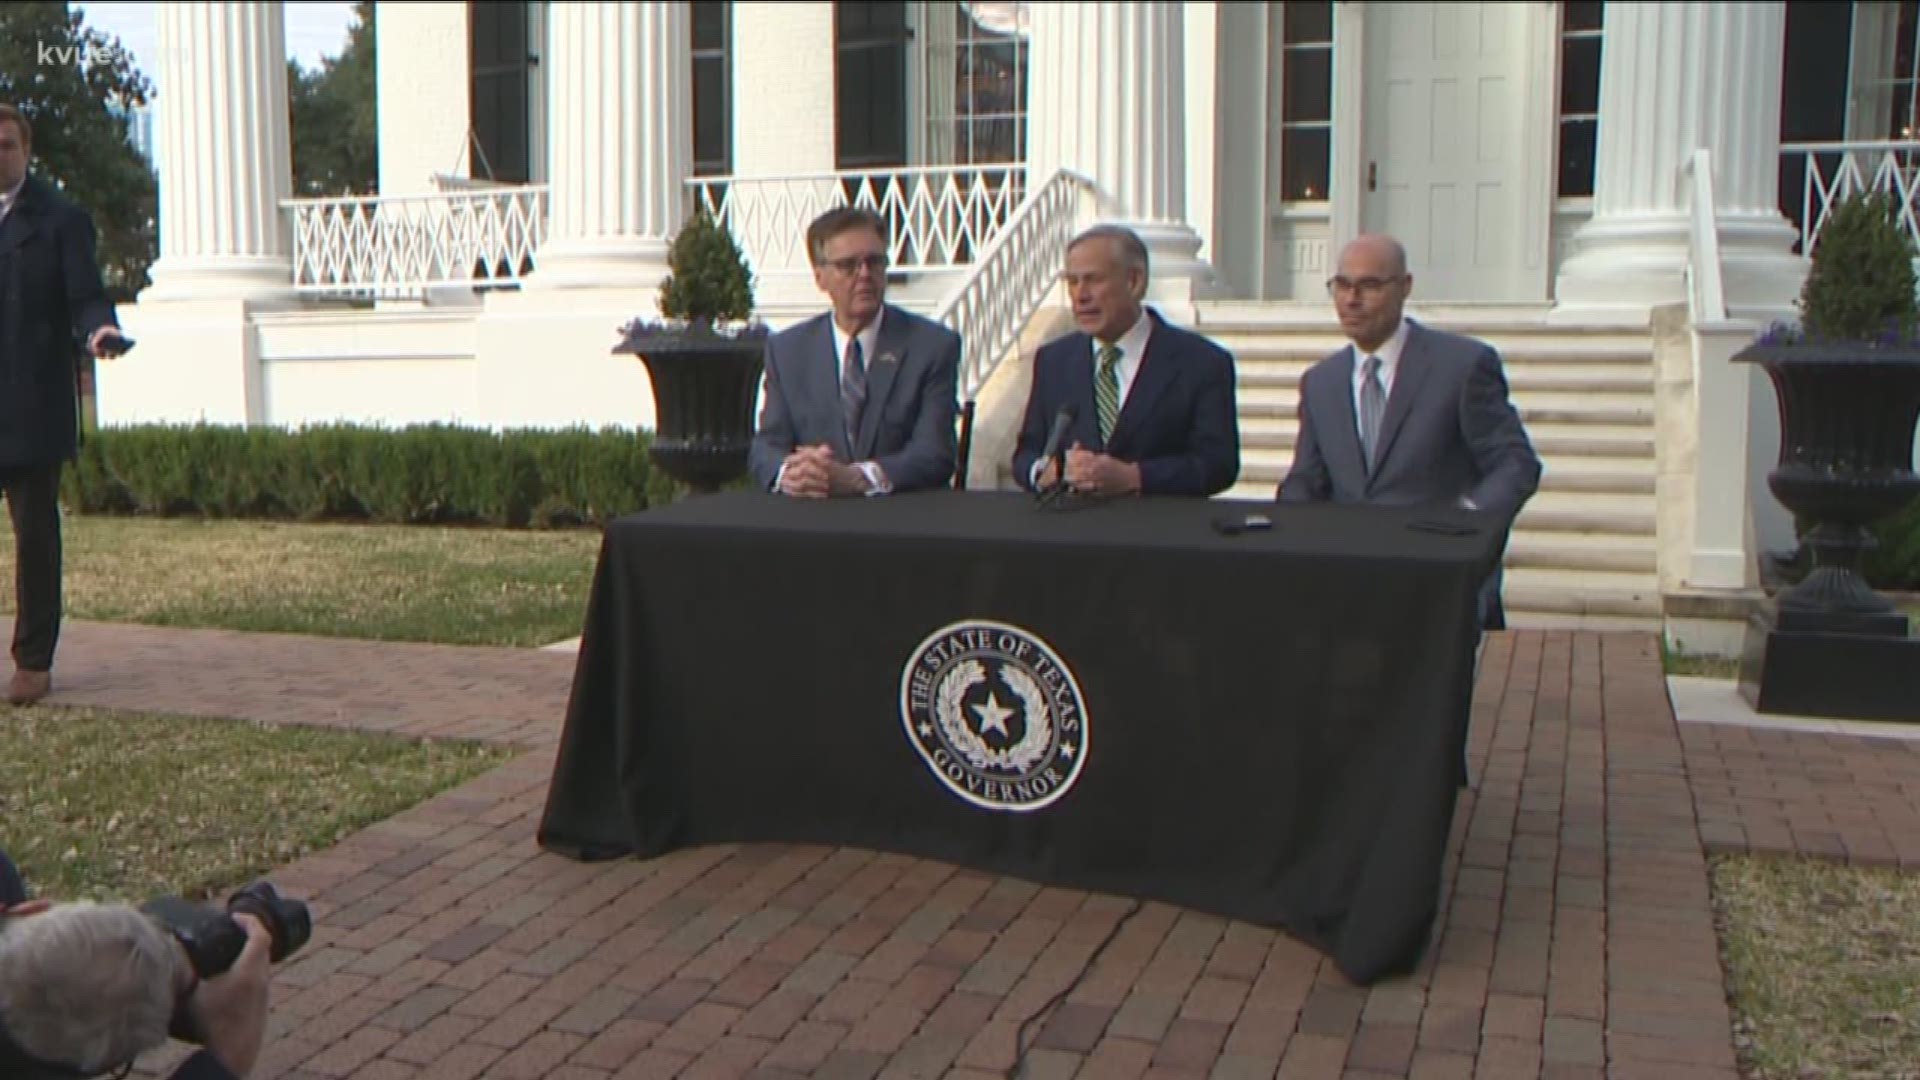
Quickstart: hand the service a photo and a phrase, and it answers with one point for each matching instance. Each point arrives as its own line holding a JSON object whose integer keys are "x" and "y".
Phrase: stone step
{"x": 1563, "y": 409}
{"x": 1515, "y": 346}
{"x": 1588, "y": 512}
{"x": 1623, "y": 475}
{"x": 1609, "y": 552}
{"x": 1581, "y": 592}
{"x": 1522, "y": 619}
{"x": 1551, "y": 441}
{"x": 1628, "y": 377}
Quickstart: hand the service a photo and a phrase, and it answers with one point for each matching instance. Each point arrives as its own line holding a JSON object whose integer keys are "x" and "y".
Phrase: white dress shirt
{"x": 869, "y": 338}
{"x": 8, "y": 198}
{"x": 1133, "y": 349}
{"x": 1389, "y": 354}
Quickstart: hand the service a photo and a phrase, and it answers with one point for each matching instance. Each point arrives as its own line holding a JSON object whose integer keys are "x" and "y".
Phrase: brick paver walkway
{"x": 1576, "y": 939}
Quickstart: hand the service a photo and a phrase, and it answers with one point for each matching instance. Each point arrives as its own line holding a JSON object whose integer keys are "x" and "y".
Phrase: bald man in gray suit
{"x": 1406, "y": 415}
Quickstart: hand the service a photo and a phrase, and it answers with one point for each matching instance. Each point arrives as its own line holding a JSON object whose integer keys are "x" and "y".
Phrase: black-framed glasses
{"x": 852, "y": 264}
{"x": 1366, "y": 286}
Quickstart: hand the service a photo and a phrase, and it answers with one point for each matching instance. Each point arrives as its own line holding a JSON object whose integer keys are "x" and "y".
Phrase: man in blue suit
{"x": 1153, "y": 408}
{"x": 860, "y": 400}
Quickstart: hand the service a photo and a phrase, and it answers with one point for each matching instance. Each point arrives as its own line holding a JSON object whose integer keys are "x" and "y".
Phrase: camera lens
{"x": 289, "y": 921}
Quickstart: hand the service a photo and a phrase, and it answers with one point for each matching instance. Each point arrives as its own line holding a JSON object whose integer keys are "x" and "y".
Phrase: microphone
{"x": 1056, "y": 441}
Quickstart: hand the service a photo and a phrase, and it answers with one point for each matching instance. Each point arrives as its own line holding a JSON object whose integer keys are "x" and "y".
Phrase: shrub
{"x": 709, "y": 280}
{"x": 1860, "y": 286}
{"x": 423, "y": 474}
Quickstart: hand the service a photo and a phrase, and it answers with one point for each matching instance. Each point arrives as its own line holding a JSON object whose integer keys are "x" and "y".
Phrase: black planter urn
{"x": 1831, "y": 646}
{"x": 704, "y": 386}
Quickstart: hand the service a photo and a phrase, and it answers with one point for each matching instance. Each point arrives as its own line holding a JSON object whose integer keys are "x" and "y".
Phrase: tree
{"x": 334, "y": 125}
{"x": 77, "y": 87}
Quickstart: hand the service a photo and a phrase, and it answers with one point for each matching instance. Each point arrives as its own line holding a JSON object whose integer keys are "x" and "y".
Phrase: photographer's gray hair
{"x": 86, "y": 984}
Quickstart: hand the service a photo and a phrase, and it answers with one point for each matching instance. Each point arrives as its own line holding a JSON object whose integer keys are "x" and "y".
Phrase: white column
{"x": 222, "y": 151}
{"x": 940, "y": 63}
{"x": 1107, "y": 99}
{"x": 1675, "y": 77}
{"x": 621, "y": 142}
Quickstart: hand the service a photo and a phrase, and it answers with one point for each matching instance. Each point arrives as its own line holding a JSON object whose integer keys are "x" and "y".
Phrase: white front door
{"x": 1443, "y": 168}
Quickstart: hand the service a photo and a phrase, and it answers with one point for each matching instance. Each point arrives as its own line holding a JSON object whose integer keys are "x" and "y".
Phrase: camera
{"x": 213, "y": 939}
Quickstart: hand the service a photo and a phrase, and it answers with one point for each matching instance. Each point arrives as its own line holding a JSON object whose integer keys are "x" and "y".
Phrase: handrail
{"x": 990, "y": 306}
{"x": 1706, "y": 291}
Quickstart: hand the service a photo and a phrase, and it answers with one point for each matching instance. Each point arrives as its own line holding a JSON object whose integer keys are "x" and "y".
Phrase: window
{"x": 1306, "y": 103}
{"x": 1580, "y": 25}
{"x": 989, "y": 121}
{"x": 870, "y": 83}
{"x": 712, "y": 88}
{"x": 502, "y": 64}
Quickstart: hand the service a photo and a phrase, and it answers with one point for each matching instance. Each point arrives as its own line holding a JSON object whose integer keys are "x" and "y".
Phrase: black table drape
{"x": 1267, "y": 725}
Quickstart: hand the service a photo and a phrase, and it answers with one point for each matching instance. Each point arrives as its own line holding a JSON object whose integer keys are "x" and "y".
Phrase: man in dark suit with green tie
{"x": 1150, "y": 407}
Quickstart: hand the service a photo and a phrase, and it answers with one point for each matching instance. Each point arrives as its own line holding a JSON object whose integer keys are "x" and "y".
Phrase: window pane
{"x": 871, "y": 118}
{"x": 1305, "y": 163}
{"x": 1580, "y": 75}
{"x": 709, "y": 25}
{"x": 1577, "y": 141}
{"x": 850, "y": 20}
{"x": 710, "y": 116}
{"x": 499, "y": 33}
{"x": 1584, "y": 15}
{"x": 1309, "y": 90}
{"x": 1310, "y": 22}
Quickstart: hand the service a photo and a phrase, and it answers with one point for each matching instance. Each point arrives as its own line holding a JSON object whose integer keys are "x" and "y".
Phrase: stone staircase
{"x": 1583, "y": 552}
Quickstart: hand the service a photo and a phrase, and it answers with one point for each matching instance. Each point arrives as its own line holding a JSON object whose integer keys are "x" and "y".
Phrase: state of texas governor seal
{"x": 995, "y": 714}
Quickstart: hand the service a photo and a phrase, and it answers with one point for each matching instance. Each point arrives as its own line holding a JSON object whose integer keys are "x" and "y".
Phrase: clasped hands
{"x": 812, "y": 472}
{"x": 1094, "y": 474}
{"x": 104, "y": 342}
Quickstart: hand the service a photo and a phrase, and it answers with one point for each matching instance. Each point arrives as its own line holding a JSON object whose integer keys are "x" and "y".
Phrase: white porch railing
{"x": 1833, "y": 171}
{"x": 397, "y": 247}
{"x": 1019, "y": 267}
{"x": 1706, "y": 290}
{"x": 940, "y": 218}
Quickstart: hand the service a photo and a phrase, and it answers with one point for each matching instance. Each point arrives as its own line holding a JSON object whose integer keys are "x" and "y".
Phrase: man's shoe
{"x": 29, "y": 686}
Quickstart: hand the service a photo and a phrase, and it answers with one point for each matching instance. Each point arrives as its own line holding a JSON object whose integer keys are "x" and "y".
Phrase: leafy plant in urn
{"x": 705, "y": 360}
{"x": 1847, "y": 381}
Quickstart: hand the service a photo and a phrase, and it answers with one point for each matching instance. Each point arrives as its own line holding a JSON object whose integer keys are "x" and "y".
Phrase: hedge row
{"x": 424, "y": 474}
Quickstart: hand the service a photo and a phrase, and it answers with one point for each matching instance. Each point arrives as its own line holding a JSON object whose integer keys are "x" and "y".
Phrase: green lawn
{"x": 121, "y": 806}
{"x": 1823, "y": 967}
{"x": 404, "y": 583}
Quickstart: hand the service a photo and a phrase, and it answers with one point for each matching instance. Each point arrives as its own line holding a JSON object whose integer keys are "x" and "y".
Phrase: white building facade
{"x": 1547, "y": 164}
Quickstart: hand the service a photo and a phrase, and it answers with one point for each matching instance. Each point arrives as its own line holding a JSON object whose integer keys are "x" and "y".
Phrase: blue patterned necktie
{"x": 1373, "y": 405}
{"x": 1106, "y": 390}
{"x": 853, "y": 388}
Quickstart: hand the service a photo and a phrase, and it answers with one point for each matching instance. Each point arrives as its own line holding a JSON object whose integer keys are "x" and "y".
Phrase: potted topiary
{"x": 704, "y": 358}
{"x": 1847, "y": 380}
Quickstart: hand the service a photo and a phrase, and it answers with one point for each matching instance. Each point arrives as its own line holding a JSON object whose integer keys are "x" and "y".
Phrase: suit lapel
{"x": 889, "y": 352}
{"x": 821, "y": 368}
{"x": 1412, "y": 372}
{"x": 1150, "y": 382}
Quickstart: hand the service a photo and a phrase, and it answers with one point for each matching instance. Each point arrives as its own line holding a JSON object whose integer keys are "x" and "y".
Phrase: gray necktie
{"x": 853, "y": 388}
{"x": 1373, "y": 405}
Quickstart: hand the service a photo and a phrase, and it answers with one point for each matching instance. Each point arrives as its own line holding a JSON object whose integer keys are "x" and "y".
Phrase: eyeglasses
{"x": 852, "y": 264}
{"x": 1366, "y": 286}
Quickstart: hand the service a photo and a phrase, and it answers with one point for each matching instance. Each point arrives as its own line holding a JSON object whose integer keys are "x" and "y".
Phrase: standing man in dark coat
{"x": 51, "y": 301}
